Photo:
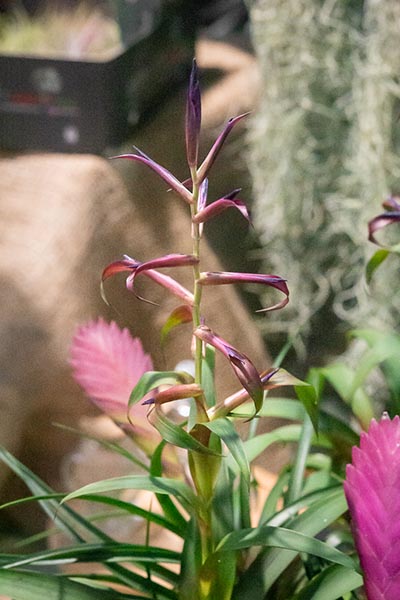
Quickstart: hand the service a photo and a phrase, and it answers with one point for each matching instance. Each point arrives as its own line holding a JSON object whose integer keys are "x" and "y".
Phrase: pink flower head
{"x": 372, "y": 489}
{"x": 107, "y": 363}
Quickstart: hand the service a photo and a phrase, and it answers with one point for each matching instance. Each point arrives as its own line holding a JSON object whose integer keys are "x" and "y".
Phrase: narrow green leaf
{"x": 207, "y": 375}
{"x": 332, "y": 583}
{"x": 36, "y": 586}
{"x": 112, "y": 446}
{"x": 287, "y": 539}
{"x": 168, "y": 507}
{"x": 288, "y": 433}
{"x": 284, "y": 516}
{"x": 114, "y": 552}
{"x": 270, "y": 563}
{"x": 284, "y": 408}
{"x": 218, "y": 576}
{"x": 179, "y": 316}
{"x": 175, "y": 434}
{"x": 297, "y": 472}
{"x": 228, "y": 434}
{"x": 133, "y": 509}
{"x": 374, "y": 262}
{"x": 189, "y": 585}
{"x": 158, "y": 485}
{"x": 308, "y": 396}
{"x": 270, "y": 505}
{"x": 71, "y": 522}
{"x": 153, "y": 379}
{"x": 223, "y": 504}
{"x": 347, "y": 384}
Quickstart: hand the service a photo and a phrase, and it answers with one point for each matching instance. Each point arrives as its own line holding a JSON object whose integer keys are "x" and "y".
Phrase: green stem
{"x": 202, "y": 467}
{"x": 297, "y": 473}
{"x": 196, "y": 237}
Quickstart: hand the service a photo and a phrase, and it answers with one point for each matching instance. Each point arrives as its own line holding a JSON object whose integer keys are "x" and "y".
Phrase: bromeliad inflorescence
{"x": 208, "y": 425}
{"x": 194, "y": 193}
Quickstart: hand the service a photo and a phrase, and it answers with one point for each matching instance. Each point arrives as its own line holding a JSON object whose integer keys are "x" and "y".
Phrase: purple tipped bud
{"x": 242, "y": 366}
{"x": 216, "y": 147}
{"x": 372, "y": 489}
{"x": 221, "y": 278}
{"x": 392, "y": 203}
{"x": 193, "y": 117}
{"x": 380, "y": 222}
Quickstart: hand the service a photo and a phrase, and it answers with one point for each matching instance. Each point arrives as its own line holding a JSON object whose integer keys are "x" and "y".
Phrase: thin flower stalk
{"x": 203, "y": 446}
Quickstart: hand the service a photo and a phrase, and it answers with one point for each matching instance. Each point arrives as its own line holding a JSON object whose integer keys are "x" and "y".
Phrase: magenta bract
{"x": 372, "y": 489}
{"x": 381, "y": 221}
{"x": 107, "y": 363}
{"x": 216, "y": 147}
{"x": 244, "y": 369}
{"x": 220, "y": 206}
{"x": 221, "y": 278}
{"x": 169, "y": 260}
{"x": 172, "y": 181}
{"x": 131, "y": 265}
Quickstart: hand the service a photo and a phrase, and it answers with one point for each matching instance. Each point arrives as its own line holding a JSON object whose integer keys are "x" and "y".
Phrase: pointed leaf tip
{"x": 215, "y": 149}
{"x": 221, "y": 278}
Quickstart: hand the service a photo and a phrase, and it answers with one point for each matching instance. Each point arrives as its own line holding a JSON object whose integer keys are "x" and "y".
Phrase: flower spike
{"x": 372, "y": 489}
{"x": 162, "y": 172}
{"x": 193, "y": 117}
{"x": 221, "y": 278}
{"x": 244, "y": 369}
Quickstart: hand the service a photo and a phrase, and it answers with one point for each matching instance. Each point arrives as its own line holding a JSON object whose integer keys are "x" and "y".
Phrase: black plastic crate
{"x": 86, "y": 106}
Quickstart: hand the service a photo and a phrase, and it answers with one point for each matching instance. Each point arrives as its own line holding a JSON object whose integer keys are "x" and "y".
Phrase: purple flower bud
{"x": 193, "y": 117}
{"x": 392, "y": 203}
{"x": 219, "y": 206}
{"x": 242, "y": 366}
{"x": 221, "y": 278}
{"x": 372, "y": 489}
{"x": 170, "y": 179}
{"x": 380, "y": 222}
{"x": 213, "y": 153}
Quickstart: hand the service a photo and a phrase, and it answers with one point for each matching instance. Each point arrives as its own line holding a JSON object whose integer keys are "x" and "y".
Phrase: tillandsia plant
{"x": 224, "y": 548}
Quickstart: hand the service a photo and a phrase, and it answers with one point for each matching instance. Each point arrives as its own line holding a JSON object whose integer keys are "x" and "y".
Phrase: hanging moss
{"x": 323, "y": 155}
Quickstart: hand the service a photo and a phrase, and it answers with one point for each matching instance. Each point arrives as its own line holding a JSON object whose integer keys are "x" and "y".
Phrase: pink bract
{"x": 372, "y": 489}
{"x": 107, "y": 363}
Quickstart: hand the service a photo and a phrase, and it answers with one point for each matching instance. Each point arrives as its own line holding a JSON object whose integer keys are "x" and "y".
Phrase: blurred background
{"x": 80, "y": 81}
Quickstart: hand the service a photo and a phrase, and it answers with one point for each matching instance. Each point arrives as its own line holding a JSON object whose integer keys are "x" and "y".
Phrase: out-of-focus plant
{"x": 323, "y": 149}
{"x": 81, "y": 33}
{"x": 298, "y": 545}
